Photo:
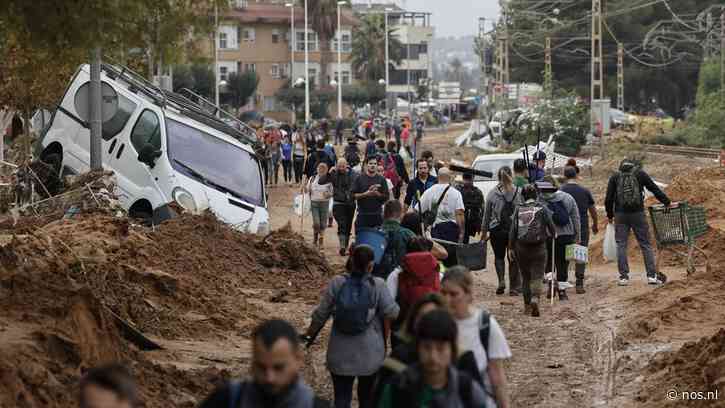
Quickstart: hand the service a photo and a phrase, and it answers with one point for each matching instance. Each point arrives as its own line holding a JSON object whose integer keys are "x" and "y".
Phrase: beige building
{"x": 256, "y": 36}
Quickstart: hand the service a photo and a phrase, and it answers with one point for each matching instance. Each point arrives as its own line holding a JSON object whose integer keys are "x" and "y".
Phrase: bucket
{"x": 375, "y": 239}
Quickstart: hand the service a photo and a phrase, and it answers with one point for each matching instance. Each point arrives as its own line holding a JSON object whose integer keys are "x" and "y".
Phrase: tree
{"x": 368, "y": 48}
{"x": 369, "y": 92}
{"x": 204, "y": 80}
{"x": 242, "y": 87}
{"x": 323, "y": 17}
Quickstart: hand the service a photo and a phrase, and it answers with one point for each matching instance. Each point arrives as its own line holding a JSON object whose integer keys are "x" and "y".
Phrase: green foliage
{"x": 241, "y": 87}
{"x": 198, "y": 77}
{"x": 294, "y": 98}
{"x": 368, "y": 48}
{"x": 563, "y": 118}
{"x": 357, "y": 96}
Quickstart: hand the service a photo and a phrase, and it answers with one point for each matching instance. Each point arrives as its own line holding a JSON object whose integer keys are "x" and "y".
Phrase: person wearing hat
{"x": 537, "y": 169}
{"x": 473, "y": 202}
{"x": 447, "y": 203}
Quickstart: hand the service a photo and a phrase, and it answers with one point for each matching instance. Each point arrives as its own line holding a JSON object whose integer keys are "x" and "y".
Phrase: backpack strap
{"x": 440, "y": 199}
{"x": 465, "y": 390}
{"x": 484, "y": 329}
{"x": 235, "y": 393}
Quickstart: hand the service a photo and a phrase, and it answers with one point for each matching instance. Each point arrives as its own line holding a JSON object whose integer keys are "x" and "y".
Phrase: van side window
{"x": 146, "y": 130}
{"x": 113, "y": 126}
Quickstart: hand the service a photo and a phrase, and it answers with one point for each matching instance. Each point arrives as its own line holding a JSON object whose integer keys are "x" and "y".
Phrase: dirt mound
{"x": 696, "y": 366}
{"x": 705, "y": 187}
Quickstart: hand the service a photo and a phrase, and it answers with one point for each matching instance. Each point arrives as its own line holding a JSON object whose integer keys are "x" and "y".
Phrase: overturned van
{"x": 163, "y": 147}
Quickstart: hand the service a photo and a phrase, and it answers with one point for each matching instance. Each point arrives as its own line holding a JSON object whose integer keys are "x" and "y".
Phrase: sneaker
{"x": 527, "y": 310}
{"x": 623, "y": 282}
{"x": 580, "y": 290}
{"x": 535, "y": 309}
{"x": 654, "y": 281}
{"x": 562, "y": 295}
{"x": 500, "y": 290}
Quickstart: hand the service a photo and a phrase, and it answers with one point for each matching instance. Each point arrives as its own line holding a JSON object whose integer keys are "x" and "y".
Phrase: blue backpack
{"x": 352, "y": 305}
{"x": 559, "y": 215}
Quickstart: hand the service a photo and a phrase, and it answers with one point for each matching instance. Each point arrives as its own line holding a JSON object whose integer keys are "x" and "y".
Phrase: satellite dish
{"x": 109, "y": 102}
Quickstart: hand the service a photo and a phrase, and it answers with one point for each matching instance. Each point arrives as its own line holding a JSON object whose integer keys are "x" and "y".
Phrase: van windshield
{"x": 492, "y": 166}
{"x": 214, "y": 162}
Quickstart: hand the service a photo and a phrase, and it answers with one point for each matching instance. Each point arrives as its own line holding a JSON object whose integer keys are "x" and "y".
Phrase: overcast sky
{"x": 455, "y": 17}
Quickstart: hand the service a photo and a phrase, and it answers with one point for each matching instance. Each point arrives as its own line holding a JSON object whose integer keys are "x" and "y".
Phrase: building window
{"x": 248, "y": 34}
{"x": 275, "y": 71}
{"x": 270, "y": 104}
{"x": 275, "y": 36}
{"x": 250, "y": 67}
{"x": 223, "y": 73}
{"x": 223, "y": 41}
{"x": 312, "y": 40}
{"x": 346, "y": 77}
{"x": 346, "y": 41}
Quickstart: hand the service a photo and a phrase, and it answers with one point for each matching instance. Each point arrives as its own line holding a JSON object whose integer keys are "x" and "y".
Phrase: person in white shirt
{"x": 490, "y": 353}
{"x": 447, "y": 202}
{"x": 320, "y": 190}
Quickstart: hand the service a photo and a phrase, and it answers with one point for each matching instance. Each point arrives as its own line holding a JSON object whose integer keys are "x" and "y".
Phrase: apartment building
{"x": 256, "y": 36}
{"x": 415, "y": 32}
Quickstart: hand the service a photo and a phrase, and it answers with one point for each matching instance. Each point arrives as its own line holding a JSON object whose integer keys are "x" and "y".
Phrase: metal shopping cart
{"x": 679, "y": 224}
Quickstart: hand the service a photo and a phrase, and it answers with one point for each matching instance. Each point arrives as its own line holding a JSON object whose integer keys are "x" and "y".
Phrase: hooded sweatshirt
{"x": 494, "y": 205}
{"x": 574, "y": 225}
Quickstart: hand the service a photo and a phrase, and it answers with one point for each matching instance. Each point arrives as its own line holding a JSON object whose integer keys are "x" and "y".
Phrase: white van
{"x": 162, "y": 147}
{"x": 492, "y": 163}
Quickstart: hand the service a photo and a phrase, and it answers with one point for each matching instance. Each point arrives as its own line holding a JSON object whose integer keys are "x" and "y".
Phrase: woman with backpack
{"x": 362, "y": 308}
{"x": 530, "y": 232}
{"x": 567, "y": 225}
{"x": 433, "y": 381}
{"x": 480, "y": 337}
{"x": 497, "y": 220}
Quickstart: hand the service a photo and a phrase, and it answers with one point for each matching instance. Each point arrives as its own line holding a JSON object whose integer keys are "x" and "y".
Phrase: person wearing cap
{"x": 449, "y": 224}
{"x": 585, "y": 204}
{"x": 521, "y": 176}
{"x": 537, "y": 172}
{"x": 473, "y": 202}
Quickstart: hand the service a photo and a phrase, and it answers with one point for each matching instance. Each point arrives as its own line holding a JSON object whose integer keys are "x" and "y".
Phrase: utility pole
{"x": 481, "y": 37}
{"x": 216, "y": 56}
{"x": 597, "y": 81}
{"x": 95, "y": 114}
{"x": 620, "y": 77}
{"x": 722, "y": 56}
{"x": 505, "y": 57}
{"x": 548, "y": 79}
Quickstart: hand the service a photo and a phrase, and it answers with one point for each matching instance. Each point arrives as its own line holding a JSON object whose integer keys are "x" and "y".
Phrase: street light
{"x": 216, "y": 54}
{"x": 381, "y": 81}
{"x": 333, "y": 83}
{"x": 300, "y": 81}
{"x": 307, "y": 70}
{"x": 293, "y": 39}
{"x": 339, "y": 61}
{"x": 387, "y": 60}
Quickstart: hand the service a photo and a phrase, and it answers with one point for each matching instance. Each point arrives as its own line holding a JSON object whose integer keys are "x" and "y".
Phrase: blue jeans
{"x": 637, "y": 222}
{"x": 320, "y": 210}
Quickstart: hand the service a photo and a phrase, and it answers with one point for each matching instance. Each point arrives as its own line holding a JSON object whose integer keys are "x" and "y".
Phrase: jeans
{"x": 342, "y": 386}
{"x": 299, "y": 164}
{"x": 343, "y": 213}
{"x": 274, "y": 168}
{"x": 581, "y": 268}
{"x": 287, "y": 170}
{"x": 500, "y": 244}
{"x": 448, "y": 231}
{"x": 319, "y": 211}
{"x": 338, "y": 138}
{"x": 637, "y": 222}
{"x": 531, "y": 261}
{"x": 368, "y": 220}
{"x": 557, "y": 248}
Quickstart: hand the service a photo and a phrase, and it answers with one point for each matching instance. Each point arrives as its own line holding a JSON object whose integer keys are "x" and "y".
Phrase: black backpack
{"x": 353, "y": 303}
{"x": 629, "y": 192}
{"x": 390, "y": 259}
{"x": 507, "y": 212}
{"x": 559, "y": 214}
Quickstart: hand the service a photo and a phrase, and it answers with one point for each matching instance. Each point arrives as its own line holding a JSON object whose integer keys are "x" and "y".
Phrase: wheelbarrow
{"x": 679, "y": 224}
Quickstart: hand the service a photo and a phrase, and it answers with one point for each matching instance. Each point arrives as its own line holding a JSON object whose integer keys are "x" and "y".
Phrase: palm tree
{"x": 323, "y": 20}
{"x": 368, "y": 48}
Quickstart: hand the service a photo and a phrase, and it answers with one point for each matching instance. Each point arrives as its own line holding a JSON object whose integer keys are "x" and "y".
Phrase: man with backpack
{"x": 625, "y": 208}
{"x": 397, "y": 239}
{"x": 473, "y": 201}
{"x": 567, "y": 226}
{"x": 277, "y": 361}
{"x": 531, "y": 229}
{"x": 352, "y": 152}
{"x": 343, "y": 202}
{"x": 422, "y": 182}
{"x": 394, "y": 169}
{"x": 362, "y": 310}
{"x": 443, "y": 210}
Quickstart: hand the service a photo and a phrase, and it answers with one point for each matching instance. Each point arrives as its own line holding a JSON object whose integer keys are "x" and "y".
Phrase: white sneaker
{"x": 654, "y": 281}
{"x": 623, "y": 282}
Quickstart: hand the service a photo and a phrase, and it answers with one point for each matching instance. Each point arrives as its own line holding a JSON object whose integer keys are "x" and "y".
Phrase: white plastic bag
{"x": 403, "y": 152}
{"x": 610, "y": 244}
{"x": 298, "y": 204}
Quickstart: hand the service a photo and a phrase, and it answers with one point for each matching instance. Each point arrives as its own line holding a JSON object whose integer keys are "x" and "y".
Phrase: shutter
{"x": 239, "y": 34}
{"x": 251, "y": 35}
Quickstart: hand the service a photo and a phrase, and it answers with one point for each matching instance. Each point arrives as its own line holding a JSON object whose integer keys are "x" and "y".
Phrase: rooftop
{"x": 271, "y": 13}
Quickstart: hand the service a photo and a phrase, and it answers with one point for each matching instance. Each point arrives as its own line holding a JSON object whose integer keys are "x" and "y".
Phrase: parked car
{"x": 163, "y": 148}
{"x": 492, "y": 163}
{"x": 621, "y": 119}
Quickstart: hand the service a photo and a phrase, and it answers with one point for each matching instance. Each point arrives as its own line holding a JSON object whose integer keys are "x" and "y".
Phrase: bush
{"x": 567, "y": 120}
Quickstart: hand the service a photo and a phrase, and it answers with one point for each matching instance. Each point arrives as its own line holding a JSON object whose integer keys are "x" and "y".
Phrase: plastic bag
{"x": 610, "y": 244}
{"x": 403, "y": 152}
{"x": 299, "y": 198}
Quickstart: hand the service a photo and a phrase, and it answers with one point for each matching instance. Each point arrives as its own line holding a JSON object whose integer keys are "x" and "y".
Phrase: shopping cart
{"x": 679, "y": 224}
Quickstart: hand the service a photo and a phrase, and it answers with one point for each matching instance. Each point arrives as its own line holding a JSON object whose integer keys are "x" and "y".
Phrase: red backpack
{"x": 419, "y": 277}
{"x": 390, "y": 171}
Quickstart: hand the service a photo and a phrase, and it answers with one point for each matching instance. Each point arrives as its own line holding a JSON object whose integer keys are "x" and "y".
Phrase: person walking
{"x": 339, "y": 130}
{"x": 397, "y": 238}
{"x": 362, "y": 308}
{"x": 500, "y": 205}
{"x": 565, "y": 215}
{"x": 480, "y": 337}
{"x": 447, "y": 205}
{"x": 625, "y": 209}
{"x": 276, "y": 159}
{"x": 370, "y": 190}
{"x": 320, "y": 190}
{"x": 298, "y": 154}
{"x": 276, "y": 369}
{"x": 530, "y": 231}
{"x": 352, "y": 153}
{"x": 473, "y": 201}
{"x": 316, "y": 156}
{"x": 585, "y": 204}
{"x": 287, "y": 159}
{"x": 422, "y": 182}
{"x": 343, "y": 205}
{"x": 433, "y": 380}
{"x": 395, "y": 170}
{"x": 537, "y": 170}
{"x": 521, "y": 174}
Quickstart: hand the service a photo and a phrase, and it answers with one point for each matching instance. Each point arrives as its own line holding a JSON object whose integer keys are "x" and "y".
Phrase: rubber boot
{"x": 501, "y": 273}
{"x": 562, "y": 295}
{"x": 580, "y": 287}
{"x": 321, "y": 242}
{"x": 343, "y": 244}
{"x": 527, "y": 309}
{"x": 535, "y": 307}
{"x": 315, "y": 238}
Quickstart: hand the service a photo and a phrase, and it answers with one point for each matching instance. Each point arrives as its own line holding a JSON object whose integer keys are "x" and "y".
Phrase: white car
{"x": 162, "y": 147}
{"x": 492, "y": 163}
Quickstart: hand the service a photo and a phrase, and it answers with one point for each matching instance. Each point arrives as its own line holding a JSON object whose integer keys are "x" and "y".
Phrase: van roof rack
{"x": 195, "y": 106}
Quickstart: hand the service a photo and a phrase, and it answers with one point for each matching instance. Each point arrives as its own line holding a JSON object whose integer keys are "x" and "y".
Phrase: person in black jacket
{"x": 316, "y": 156}
{"x": 625, "y": 208}
{"x": 392, "y": 154}
{"x": 343, "y": 207}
